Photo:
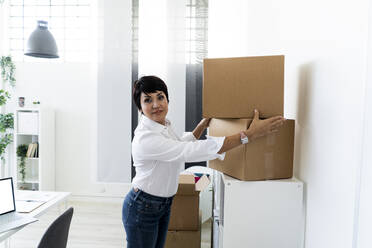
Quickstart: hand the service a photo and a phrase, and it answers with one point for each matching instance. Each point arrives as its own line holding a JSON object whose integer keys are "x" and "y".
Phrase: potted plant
{"x": 21, "y": 155}
{"x": 7, "y": 69}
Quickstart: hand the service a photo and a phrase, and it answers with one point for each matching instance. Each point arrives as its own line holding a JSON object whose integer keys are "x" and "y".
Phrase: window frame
{"x": 71, "y": 31}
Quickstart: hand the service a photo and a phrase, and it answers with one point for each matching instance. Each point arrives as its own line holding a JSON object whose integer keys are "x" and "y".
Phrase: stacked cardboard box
{"x": 184, "y": 239}
{"x": 184, "y": 225}
{"x": 232, "y": 89}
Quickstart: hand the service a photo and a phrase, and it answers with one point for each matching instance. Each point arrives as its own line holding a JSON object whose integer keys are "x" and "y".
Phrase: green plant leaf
{"x": 7, "y": 70}
{"x": 6, "y": 122}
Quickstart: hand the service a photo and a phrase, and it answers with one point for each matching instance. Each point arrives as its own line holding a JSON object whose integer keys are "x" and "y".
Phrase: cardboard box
{"x": 184, "y": 239}
{"x": 185, "y": 206}
{"x": 268, "y": 157}
{"x": 234, "y": 87}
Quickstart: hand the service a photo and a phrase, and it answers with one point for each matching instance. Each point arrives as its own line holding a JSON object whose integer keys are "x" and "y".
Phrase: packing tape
{"x": 269, "y": 165}
{"x": 270, "y": 139}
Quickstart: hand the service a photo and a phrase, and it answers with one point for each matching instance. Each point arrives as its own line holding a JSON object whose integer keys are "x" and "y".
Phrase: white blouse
{"x": 159, "y": 155}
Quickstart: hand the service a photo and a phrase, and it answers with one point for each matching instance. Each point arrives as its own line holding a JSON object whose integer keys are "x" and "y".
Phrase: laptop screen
{"x": 7, "y": 203}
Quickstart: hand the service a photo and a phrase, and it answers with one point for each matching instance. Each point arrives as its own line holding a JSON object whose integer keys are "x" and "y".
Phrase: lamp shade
{"x": 41, "y": 42}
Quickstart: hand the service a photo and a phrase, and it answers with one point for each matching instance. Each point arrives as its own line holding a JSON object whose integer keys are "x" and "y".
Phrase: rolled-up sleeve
{"x": 154, "y": 146}
{"x": 188, "y": 136}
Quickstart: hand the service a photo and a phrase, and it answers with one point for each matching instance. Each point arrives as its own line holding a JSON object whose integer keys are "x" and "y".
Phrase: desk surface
{"x": 52, "y": 199}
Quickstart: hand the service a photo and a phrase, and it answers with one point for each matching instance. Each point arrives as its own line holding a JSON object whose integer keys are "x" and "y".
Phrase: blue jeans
{"x": 146, "y": 219}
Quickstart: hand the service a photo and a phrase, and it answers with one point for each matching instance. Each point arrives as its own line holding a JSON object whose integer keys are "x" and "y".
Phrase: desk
{"x": 55, "y": 199}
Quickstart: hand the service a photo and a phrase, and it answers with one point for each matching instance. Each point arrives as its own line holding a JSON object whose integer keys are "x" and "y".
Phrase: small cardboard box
{"x": 184, "y": 239}
{"x": 268, "y": 157}
{"x": 234, "y": 87}
{"x": 185, "y": 206}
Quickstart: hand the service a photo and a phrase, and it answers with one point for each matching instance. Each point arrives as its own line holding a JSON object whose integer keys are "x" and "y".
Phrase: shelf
{"x": 29, "y": 158}
{"x": 34, "y": 125}
{"x": 28, "y": 109}
{"x": 34, "y": 134}
{"x": 29, "y": 181}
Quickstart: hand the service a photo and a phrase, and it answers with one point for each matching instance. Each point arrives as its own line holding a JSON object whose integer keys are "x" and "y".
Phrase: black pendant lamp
{"x": 41, "y": 43}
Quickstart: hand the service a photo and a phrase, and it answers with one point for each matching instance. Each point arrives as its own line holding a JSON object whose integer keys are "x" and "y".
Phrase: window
{"x": 135, "y": 12}
{"x": 68, "y": 20}
{"x": 197, "y": 31}
{"x": 196, "y": 51}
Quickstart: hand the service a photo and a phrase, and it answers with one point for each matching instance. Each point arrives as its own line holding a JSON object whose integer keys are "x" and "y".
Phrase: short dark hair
{"x": 148, "y": 84}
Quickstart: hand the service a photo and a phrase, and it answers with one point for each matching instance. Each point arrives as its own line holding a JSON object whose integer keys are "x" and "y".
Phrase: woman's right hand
{"x": 259, "y": 128}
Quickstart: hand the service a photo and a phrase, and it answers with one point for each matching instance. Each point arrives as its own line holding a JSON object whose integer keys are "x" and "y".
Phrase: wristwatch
{"x": 243, "y": 138}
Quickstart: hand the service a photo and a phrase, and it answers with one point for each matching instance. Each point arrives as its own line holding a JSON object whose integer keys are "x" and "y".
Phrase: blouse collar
{"x": 153, "y": 124}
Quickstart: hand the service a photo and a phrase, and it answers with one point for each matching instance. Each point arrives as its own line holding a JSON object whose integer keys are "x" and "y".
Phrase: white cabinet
{"x": 27, "y": 122}
{"x": 257, "y": 214}
{"x": 35, "y": 125}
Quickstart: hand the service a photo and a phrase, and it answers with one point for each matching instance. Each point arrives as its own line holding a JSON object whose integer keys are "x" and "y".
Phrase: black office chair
{"x": 57, "y": 233}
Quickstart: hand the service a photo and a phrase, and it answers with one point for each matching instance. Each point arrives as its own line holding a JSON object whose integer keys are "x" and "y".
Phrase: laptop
{"x": 9, "y": 219}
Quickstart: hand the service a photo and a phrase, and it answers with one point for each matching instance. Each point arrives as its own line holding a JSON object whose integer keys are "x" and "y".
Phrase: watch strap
{"x": 243, "y": 138}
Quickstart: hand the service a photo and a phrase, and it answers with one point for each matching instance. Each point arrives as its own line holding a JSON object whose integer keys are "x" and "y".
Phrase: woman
{"x": 159, "y": 156}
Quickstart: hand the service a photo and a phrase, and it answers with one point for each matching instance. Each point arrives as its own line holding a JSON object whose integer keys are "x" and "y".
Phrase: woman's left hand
{"x": 204, "y": 122}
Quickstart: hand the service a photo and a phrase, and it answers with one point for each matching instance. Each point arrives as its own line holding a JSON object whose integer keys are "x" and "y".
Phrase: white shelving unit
{"x": 264, "y": 214}
{"x": 35, "y": 125}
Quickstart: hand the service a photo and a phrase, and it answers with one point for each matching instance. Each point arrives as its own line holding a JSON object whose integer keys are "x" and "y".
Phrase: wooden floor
{"x": 95, "y": 224}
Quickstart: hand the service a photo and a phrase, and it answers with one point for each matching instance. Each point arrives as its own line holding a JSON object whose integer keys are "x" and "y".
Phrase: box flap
{"x": 226, "y": 127}
{"x": 234, "y": 159}
{"x": 186, "y": 185}
{"x": 202, "y": 183}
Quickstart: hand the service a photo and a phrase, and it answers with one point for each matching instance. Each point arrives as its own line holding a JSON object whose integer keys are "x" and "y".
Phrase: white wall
{"x": 325, "y": 71}
{"x": 71, "y": 89}
{"x": 363, "y": 224}
{"x": 1, "y": 29}
{"x": 114, "y": 77}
